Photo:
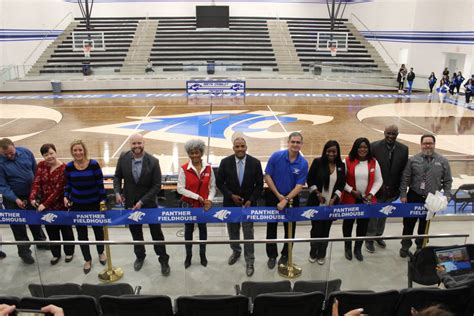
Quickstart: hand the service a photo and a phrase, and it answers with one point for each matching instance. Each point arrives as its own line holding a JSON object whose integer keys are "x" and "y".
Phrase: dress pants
{"x": 188, "y": 235}
{"x": 234, "y": 234}
{"x": 377, "y": 225}
{"x": 54, "y": 233}
{"x": 272, "y": 249}
{"x": 156, "y": 234}
{"x": 468, "y": 95}
{"x": 319, "y": 229}
{"x": 19, "y": 231}
{"x": 410, "y": 222}
{"x": 82, "y": 232}
{"x": 361, "y": 230}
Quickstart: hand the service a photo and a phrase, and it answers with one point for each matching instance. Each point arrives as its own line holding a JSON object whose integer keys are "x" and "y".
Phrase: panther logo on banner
{"x": 309, "y": 214}
{"x": 49, "y": 218}
{"x": 222, "y": 215}
{"x": 136, "y": 216}
{"x": 387, "y": 210}
{"x": 220, "y": 126}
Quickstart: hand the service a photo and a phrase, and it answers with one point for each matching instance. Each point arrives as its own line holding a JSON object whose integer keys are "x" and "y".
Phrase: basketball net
{"x": 333, "y": 51}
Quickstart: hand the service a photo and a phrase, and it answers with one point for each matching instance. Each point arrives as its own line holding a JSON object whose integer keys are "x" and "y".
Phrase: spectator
{"x": 149, "y": 66}
{"x": 410, "y": 78}
{"x": 401, "y": 78}
{"x": 432, "y": 81}
{"x": 459, "y": 80}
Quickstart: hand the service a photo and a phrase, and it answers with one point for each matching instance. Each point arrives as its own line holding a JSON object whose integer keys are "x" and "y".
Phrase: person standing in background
{"x": 432, "y": 81}
{"x": 410, "y": 78}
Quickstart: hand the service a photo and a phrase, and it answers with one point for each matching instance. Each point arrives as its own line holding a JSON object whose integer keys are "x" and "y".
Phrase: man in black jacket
{"x": 141, "y": 175}
{"x": 392, "y": 157}
{"x": 240, "y": 179}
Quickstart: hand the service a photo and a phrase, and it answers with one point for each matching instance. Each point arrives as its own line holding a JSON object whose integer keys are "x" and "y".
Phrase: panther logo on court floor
{"x": 220, "y": 126}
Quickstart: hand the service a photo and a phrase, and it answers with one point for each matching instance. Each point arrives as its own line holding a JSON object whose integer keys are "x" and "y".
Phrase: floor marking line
{"x": 5, "y": 124}
{"x": 135, "y": 129}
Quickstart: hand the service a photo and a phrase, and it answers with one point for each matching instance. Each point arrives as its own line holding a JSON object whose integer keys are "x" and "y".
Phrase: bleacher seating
{"x": 246, "y": 45}
{"x": 179, "y": 46}
{"x": 118, "y": 35}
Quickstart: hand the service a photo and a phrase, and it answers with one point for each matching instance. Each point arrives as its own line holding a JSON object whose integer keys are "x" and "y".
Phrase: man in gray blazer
{"x": 392, "y": 157}
{"x": 141, "y": 175}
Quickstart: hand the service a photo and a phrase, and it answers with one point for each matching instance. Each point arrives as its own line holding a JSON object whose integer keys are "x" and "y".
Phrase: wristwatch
{"x": 287, "y": 199}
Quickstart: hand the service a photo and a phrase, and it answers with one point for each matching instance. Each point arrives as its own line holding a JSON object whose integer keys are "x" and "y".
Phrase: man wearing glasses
{"x": 392, "y": 157}
{"x": 285, "y": 176}
{"x": 425, "y": 172}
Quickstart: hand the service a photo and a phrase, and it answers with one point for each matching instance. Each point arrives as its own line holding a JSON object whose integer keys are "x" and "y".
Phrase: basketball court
{"x": 167, "y": 119}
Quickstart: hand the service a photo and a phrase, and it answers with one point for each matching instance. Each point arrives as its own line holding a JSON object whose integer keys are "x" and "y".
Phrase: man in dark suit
{"x": 392, "y": 157}
{"x": 141, "y": 175}
{"x": 240, "y": 179}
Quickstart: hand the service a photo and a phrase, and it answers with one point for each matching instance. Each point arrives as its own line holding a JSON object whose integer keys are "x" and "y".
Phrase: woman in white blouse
{"x": 197, "y": 186}
{"x": 363, "y": 180}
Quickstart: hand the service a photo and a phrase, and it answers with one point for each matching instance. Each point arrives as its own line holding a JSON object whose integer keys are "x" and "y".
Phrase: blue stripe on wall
{"x": 431, "y": 37}
{"x": 15, "y": 35}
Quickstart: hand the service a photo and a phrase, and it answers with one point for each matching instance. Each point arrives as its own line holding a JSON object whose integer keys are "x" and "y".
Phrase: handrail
{"x": 47, "y": 34}
{"x": 228, "y": 241}
{"x": 380, "y": 43}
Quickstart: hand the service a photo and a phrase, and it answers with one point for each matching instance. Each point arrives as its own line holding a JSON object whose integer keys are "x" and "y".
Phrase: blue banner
{"x": 214, "y": 215}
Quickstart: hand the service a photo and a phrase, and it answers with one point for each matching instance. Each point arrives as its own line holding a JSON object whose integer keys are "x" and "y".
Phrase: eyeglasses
{"x": 295, "y": 142}
{"x": 392, "y": 133}
{"x": 427, "y": 144}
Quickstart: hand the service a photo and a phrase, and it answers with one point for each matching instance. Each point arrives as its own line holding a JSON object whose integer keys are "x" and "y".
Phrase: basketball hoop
{"x": 333, "y": 51}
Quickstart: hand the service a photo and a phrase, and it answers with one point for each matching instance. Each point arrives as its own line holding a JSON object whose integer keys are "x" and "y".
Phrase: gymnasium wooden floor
{"x": 168, "y": 119}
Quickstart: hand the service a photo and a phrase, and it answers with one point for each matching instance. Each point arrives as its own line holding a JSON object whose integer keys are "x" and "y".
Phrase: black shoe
{"x": 103, "y": 261}
{"x": 233, "y": 258}
{"x": 283, "y": 260}
{"x": 203, "y": 260}
{"x": 2, "y": 255}
{"x": 403, "y": 252}
{"x": 55, "y": 260}
{"x": 68, "y": 258}
{"x": 187, "y": 261}
{"x": 137, "y": 266}
{"x": 271, "y": 263}
{"x": 165, "y": 268}
{"x": 358, "y": 254}
{"x": 369, "y": 245}
{"x": 87, "y": 269}
{"x": 249, "y": 270}
{"x": 381, "y": 243}
{"x": 348, "y": 253}
{"x": 28, "y": 259}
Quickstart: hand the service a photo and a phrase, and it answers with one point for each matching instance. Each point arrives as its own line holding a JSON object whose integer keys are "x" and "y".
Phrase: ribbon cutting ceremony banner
{"x": 214, "y": 215}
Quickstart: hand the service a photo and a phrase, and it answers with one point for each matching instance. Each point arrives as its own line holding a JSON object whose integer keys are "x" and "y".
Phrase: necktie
{"x": 241, "y": 171}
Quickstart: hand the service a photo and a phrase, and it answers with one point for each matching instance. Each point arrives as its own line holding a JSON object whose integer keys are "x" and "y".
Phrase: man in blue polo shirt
{"x": 285, "y": 176}
{"x": 17, "y": 170}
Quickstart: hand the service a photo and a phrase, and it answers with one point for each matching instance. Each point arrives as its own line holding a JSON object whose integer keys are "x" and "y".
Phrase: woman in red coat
{"x": 363, "y": 180}
{"x": 197, "y": 186}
